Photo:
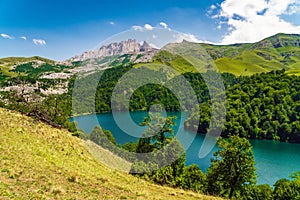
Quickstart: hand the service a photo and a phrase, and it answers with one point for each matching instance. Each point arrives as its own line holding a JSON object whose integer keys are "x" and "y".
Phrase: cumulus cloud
{"x": 148, "y": 27}
{"x": 39, "y": 42}
{"x": 23, "y": 37}
{"x": 163, "y": 24}
{"x": 6, "y": 36}
{"x": 251, "y": 21}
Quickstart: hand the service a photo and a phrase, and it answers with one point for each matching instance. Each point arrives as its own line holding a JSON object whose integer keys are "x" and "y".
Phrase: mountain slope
{"x": 7, "y": 65}
{"x": 22, "y": 59}
{"x": 40, "y": 162}
{"x": 281, "y": 51}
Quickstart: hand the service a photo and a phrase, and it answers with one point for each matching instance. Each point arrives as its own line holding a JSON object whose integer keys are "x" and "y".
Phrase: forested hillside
{"x": 263, "y": 106}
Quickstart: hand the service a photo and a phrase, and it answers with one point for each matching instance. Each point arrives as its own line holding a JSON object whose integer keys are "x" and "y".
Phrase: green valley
{"x": 44, "y": 154}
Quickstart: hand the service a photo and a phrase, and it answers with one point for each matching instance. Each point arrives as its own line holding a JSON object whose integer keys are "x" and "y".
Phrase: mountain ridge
{"x": 280, "y": 51}
{"x": 130, "y": 46}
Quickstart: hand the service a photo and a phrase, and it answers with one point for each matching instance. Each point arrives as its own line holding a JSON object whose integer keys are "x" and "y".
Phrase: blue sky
{"x": 62, "y": 29}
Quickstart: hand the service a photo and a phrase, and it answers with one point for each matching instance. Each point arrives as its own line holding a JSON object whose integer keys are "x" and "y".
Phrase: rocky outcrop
{"x": 114, "y": 49}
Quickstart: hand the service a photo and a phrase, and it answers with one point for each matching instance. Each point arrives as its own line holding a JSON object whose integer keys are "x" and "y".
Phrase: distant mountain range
{"x": 130, "y": 46}
{"x": 281, "y": 51}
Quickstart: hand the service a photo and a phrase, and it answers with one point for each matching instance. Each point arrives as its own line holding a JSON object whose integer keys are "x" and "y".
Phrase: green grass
{"x": 238, "y": 67}
{"x": 6, "y": 65}
{"x": 14, "y": 60}
{"x": 41, "y": 162}
{"x": 179, "y": 63}
{"x": 294, "y": 72}
{"x": 239, "y": 59}
{"x": 154, "y": 66}
{"x": 5, "y": 70}
{"x": 247, "y": 61}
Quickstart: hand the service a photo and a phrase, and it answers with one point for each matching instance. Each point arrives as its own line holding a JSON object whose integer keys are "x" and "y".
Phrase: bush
{"x": 256, "y": 192}
{"x": 286, "y": 189}
{"x": 193, "y": 179}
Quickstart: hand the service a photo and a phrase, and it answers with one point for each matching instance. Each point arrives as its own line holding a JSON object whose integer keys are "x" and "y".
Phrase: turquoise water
{"x": 274, "y": 160}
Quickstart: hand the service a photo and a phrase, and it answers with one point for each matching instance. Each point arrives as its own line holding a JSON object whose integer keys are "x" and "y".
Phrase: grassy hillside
{"x": 40, "y": 162}
{"x": 23, "y": 59}
{"x": 281, "y": 51}
{"x": 9, "y": 66}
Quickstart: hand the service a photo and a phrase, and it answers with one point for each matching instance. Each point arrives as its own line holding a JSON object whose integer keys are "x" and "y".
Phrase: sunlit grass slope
{"x": 40, "y": 162}
{"x": 281, "y": 51}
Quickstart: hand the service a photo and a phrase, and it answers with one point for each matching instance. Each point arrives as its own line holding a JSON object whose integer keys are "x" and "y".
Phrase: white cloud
{"x": 212, "y": 8}
{"x": 245, "y": 8}
{"x": 112, "y": 23}
{"x": 39, "y": 42}
{"x": 278, "y": 7}
{"x": 251, "y": 21}
{"x": 154, "y": 36}
{"x": 137, "y": 28}
{"x": 6, "y": 36}
{"x": 148, "y": 27}
{"x": 23, "y": 37}
{"x": 163, "y": 24}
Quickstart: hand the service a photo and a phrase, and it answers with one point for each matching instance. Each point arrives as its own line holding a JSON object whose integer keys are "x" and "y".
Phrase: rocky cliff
{"x": 130, "y": 46}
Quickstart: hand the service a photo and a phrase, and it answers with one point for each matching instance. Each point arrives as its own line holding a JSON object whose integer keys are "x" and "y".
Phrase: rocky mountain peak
{"x": 146, "y": 47}
{"x": 130, "y": 46}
